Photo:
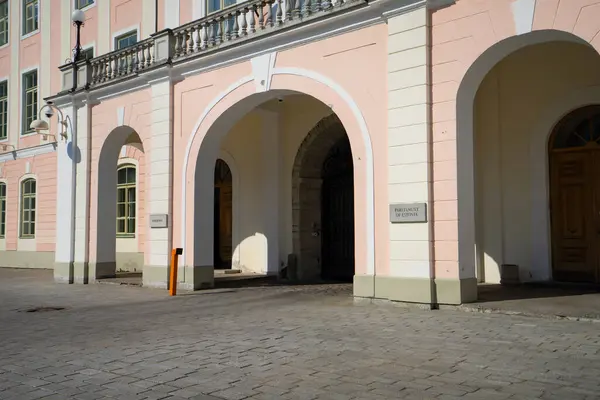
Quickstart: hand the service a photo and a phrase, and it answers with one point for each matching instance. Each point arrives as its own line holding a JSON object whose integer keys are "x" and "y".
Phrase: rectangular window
{"x": 30, "y": 16}
{"x": 3, "y": 22}
{"x": 79, "y": 4}
{"x": 2, "y": 210}
{"x": 28, "y": 191}
{"x": 216, "y": 5}
{"x": 88, "y": 53}
{"x": 3, "y": 110}
{"x": 30, "y": 99}
{"x": 126, "y": 188}
{"x": 126, "y": 40}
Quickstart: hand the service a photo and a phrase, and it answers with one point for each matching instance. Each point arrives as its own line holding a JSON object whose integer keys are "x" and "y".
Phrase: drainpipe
{"x": 430, "y": 176}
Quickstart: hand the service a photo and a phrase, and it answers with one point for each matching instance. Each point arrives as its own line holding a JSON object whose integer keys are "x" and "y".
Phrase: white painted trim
{"x": 121, "y": 162}
{"x": 523, "y": 12}
{"x": 7, "y": 80}
{"x": 122, "y": 32}
{"x": 88, "y": 46}
{"x": 9, "y": 26}
{"x": 541, "y": 249}
{"x": 235, "y": 182}
{"x": 339, "y": 90}
{"x": 22, "y": 13}
{"x": 27, "y": 152}
{"x": 198, "y": 9}
{"x": 19, "y": 197}
{"x": 22, "y": 96}
{"x": 465, "y": 99}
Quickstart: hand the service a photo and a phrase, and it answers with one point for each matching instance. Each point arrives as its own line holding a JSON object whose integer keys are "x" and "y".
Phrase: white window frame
{"x": 74, "y": 5}
{"x": 124, "y": 32}
{"x": 88, "y": 47}
{"x": 8, "y": 23}
{"x": 25, "y": 131}
{"x": 22, "y": 23}
{"x": 206, "y": 2}
{"x": 2, "y": 80}
{"x": 34, "y": 209}
{"x": 124, "y": 164}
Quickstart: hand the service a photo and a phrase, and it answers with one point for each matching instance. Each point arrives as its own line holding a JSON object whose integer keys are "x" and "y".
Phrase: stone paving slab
{"x": 313, "y": 342}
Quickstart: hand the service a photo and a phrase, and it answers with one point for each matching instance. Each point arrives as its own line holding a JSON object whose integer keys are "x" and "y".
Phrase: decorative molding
{"x": 523, "y": 11}
{"x": 366, "y": 138}
{"x": 28, "y": 152}
{"x": 262, "y": 68}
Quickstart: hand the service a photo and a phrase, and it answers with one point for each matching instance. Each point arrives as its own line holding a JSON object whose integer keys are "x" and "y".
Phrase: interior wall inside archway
{"x": 246, "y": 143}
{"x": 507, "y": 108}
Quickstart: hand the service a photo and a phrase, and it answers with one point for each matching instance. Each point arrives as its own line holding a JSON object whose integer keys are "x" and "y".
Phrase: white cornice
{"x": 28, "y": 152}
{"x": 371, "y": 13}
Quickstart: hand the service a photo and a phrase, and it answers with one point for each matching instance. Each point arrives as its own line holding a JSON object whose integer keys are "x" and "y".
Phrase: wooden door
{"x": 225, "y": 225}
{"x": 223, "y": 217}
{"x": 574, "y": 214}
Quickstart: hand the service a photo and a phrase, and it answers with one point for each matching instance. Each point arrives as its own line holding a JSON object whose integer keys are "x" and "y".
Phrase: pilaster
{"x": 159, "y": 185}
{"x": 271, "y": 189}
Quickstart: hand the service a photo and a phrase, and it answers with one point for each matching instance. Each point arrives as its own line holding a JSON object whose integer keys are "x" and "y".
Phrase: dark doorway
{"x": 337, "y": 213}
{"x": 223, "y": 216}
{"x": 575, "y": 197}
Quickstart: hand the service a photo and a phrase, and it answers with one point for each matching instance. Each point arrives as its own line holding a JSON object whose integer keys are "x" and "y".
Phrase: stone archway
{"x": 307, "y": 184}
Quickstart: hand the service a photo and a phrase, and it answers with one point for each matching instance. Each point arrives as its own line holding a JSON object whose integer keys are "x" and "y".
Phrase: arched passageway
{"x": 574, "y": 158}
{"x": 117, "y": 226}
{"x": 507, "y": 106}
{"x": 323, "y": 195}
{"x": 297, "y": 165}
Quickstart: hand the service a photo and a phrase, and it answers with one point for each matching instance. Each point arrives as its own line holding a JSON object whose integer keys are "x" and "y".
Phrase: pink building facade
{"x": 413, "y": 147}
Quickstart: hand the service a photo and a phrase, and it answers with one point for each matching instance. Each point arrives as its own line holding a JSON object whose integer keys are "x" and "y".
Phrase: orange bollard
{"x": 173, "y": 277}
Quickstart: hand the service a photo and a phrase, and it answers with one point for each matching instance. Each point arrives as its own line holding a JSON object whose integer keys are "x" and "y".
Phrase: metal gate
{"x": 337, "y": 213}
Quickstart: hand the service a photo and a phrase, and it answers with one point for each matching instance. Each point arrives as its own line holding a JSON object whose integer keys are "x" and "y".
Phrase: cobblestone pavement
{"x": 310, "y": 342}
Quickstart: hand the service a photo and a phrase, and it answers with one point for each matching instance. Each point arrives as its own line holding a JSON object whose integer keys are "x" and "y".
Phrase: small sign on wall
{"x": 408, "y": 212}
{"x": 159, "y": 220}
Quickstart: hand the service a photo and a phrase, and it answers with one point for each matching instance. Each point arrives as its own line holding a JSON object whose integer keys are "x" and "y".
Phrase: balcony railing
{"x": 235, "y": 24}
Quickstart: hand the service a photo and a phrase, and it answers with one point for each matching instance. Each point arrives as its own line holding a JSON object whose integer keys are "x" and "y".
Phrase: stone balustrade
{"x": 233, "y": 25}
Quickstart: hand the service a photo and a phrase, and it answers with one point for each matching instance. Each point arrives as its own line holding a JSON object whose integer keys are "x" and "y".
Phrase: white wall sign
{"x": 159, "y": 221}
{"x": 408, "y": 212}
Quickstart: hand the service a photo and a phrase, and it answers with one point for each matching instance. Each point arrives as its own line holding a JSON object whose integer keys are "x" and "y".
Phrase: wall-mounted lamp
{"x": 41, "y": 126}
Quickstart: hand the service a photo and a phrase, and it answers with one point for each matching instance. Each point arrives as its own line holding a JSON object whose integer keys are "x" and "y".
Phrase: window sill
{"x": 30, "y": 34}
{"x": 4, "y": 140}
{"x": 124, "y": 236}
{"x": 28, "y": 134}
{"x": 4, "y": 46}
{"x": 26, "y": 237}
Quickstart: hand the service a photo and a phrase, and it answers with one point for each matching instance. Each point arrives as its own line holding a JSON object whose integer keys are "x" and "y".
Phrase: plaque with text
{"x": 408, "y": 212}
{"x": 159, "y": 221}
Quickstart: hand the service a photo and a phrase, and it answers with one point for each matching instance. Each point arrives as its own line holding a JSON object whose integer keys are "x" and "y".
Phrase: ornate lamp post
{"x": 41, "y": 126}
{"x": 78, "y": 18}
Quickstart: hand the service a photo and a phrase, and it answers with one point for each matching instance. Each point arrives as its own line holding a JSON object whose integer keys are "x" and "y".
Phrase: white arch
{"x": 366, "y": 138}
{"x": 235, "y": 183}
{"x": 540, "y": 179}
{"x": 465, "y": 101}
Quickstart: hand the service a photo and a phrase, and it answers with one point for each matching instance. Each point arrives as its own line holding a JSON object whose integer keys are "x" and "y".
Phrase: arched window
{"x": 28, "y": 193}
{"x": 581, "y": 128}
{"x": 2, "y": 209}
{"x": 126, "y": 188}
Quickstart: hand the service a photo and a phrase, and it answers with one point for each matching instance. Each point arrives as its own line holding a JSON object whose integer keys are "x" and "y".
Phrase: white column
{"x": 82, "y": 195}
{"x": 271, "y": 201}
{"x": 409, "y": 124}
{"x": 159, "y": 184}
{"x": 65, "y": 207}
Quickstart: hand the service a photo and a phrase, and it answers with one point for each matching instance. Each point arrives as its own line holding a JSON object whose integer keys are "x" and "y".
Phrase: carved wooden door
{"x": 575, "y": 207}
{"x": 225, "y": 224}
